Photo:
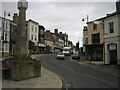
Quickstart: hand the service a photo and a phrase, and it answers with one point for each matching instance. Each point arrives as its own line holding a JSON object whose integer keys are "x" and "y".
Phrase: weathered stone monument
{"x": 21, "y": 67}
{"x": 21, "y": 50}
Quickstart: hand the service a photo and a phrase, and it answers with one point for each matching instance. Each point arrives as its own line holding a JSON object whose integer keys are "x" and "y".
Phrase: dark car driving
{"x": 76, "y": 55}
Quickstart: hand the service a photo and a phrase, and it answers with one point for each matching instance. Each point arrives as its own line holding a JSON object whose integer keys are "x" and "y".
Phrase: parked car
{"x": 76, "y": 55}
{"x": 60, "y": 55}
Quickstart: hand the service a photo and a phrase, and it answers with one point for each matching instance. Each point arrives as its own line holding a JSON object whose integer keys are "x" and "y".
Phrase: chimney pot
{"x": 56, "y": 31}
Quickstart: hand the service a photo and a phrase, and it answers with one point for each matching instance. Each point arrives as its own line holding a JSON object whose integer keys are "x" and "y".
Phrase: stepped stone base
{"x": 20, "y": 69}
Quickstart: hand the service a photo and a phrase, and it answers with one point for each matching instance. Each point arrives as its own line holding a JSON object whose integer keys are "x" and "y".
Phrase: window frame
{"x": 35, "y": 37}
{"x": 111, "y": 27}
{"x": 32, "y": 27}
{"x": 32, "y": 36}
{"x": 94, "y": 26}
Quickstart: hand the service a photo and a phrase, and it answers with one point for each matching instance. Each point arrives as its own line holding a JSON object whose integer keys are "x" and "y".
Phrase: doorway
{"x": 113, "y": 57}
{"x": 113, "y": 53}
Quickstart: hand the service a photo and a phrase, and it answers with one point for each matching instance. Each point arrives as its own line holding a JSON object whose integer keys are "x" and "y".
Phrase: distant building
{"x": 56, "y": 39}
{"x": 13, "y": 30}
{"x": 48, "y": 38}
{"x": 63, "y": 37}
{"x": 33, "y": 31}
{"x": 32, "y": 34}
{"x": 48, "y": 41}
{"x": 4, "y": 38}
{"x": 41, "y": 39}
{"x": 41, "y": 34}
{"x": 70, "y": 44}
{"x": 60, "y": 41}
{"x": 65, "y": 40}
{"x": 15, "y": 17}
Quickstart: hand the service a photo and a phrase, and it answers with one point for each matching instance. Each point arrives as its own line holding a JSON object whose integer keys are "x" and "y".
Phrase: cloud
{"x": 65, "y": 16}
{"x": 62, "y": 0}
{"x": 1, "y": 8}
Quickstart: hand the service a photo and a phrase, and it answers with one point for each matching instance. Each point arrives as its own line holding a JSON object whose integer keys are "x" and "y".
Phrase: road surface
{"x": 79, "y": 76}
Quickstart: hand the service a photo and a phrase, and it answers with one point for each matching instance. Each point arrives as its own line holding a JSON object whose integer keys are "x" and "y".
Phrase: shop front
{"x": 94, "y": 52}
{"x": 58, "y": 49}
{"x": 42, "y": 48}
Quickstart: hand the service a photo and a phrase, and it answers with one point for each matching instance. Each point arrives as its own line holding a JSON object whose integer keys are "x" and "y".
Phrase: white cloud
{"x": 65, "y": 16}
{"x": 62, "y": 0}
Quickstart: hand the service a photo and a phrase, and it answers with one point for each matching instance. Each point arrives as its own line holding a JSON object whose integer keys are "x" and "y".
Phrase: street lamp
{"x": 5, "y": 13}
{"x": 83, "y": 19}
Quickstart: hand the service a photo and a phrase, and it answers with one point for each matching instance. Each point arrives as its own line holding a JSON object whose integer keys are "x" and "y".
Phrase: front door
{"x": 113, "y": 57}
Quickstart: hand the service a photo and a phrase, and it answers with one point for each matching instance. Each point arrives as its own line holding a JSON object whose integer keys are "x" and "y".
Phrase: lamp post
{"x": 83, "y": 19}
{"x": 5, "y": 13}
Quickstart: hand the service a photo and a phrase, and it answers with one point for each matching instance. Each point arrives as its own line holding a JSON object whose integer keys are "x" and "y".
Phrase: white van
{"x": 67, "y": 51}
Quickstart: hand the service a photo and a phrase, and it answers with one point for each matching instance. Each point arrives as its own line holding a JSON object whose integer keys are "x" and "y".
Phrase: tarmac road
{"x": 77, "y": 75}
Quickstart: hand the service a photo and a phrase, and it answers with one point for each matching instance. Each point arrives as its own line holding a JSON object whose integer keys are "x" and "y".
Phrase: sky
{"x": 64, "y": 15}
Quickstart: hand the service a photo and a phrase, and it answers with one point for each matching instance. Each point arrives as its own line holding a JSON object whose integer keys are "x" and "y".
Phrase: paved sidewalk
{"x": 47, "y": 80}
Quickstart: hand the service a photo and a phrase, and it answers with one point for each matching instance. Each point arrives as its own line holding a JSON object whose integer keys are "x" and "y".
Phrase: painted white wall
{"x": 33, "y": 32}
{"x": 112, "y": 37}
{"x": 7, "y": 31}
{"x": 113, "y": 19}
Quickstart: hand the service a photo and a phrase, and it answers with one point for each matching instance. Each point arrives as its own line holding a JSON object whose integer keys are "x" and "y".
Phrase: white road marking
{"x": 100, "y": 79}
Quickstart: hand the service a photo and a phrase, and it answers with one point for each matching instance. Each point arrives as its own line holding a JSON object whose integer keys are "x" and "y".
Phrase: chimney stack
{"x": 56, "y": 31}
{"x": 118, "y": 6}
{"x": 15, "y": 18}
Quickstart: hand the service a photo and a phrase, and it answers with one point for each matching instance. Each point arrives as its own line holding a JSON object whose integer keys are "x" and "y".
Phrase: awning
{"x": 59, "y": 47}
